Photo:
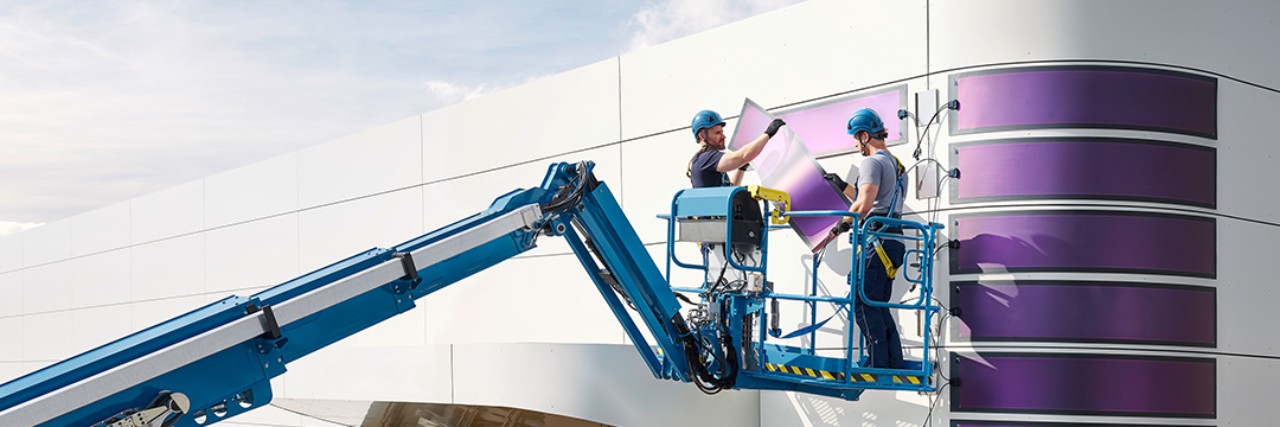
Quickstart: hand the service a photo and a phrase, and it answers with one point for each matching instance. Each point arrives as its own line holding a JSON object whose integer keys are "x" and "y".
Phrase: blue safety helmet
{"x": 705, "y": 119}
{"x": 867, "y": 120}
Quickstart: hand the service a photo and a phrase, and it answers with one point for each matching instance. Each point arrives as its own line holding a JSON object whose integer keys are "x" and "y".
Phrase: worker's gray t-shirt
{"x": 882, "y": 170}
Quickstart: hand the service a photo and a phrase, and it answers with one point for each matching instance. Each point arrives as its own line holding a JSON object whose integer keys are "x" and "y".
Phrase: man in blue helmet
{"x": 711, "y": 165}
{"x": 878, "y": 191}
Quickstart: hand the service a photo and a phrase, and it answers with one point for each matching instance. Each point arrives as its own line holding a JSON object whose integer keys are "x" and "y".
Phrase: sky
{"x": 105, "y": 101}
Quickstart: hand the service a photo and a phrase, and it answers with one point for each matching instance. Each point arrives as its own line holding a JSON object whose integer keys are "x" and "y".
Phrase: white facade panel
{"x": 1246, "y": 291}
{"x": 168, "y": 213}
{"x": 255, "y": 191}
{"x": 810, "y": 50}
{"x": 337, "y": 231}
{"x": 1246, "y": 153}
{"x": 603, "y": 383}
{"x": 169, "y": 268}
{"x": 13, "y": 370}
{"x": 100, "y": 230}
{"x": 998, "y": 31}
{"x": 148, "y": 313}
{"x": 403, "y": 374}
{"x": 11, "y": 290}
{"x": 543, "y": 299}
{"x": 251, "y": 255}
{"x": 46, "y": 288}
{"x": 93, "y": 327}
{"x": 653, "y": 169}
{"x": 105, "y": 278}
{"x": 46, "y": 338}
{"x": 47, "y": 243}
{"x": 405, "y": 329}
{"x": 1243, "y": 383}
{"x": 380, "y": 159}
{"x": 573, "y": 110}
{"x": 11, "y": 332}
{"x": 273, "y": 416}
{"x": 11, "y": 252}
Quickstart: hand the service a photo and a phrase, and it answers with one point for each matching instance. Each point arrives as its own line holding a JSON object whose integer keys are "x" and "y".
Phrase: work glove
{"x": 835, "y": 180}
{"x": 744, "y": 167}
{"x": 774, "y": 126}
{"x": 842, "y": 227}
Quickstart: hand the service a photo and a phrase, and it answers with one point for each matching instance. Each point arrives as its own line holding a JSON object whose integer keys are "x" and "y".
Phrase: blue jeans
{"x": 878, "y": 326}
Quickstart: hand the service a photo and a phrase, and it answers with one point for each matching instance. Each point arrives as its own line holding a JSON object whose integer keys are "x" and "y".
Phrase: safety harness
{"x": 899, "y": 188}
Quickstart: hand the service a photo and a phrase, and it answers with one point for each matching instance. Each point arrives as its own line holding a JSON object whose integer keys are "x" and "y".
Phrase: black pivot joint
{"x": 406, "y": 261}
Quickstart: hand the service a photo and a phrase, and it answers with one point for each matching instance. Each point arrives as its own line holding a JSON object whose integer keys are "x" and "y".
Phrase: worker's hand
{"x": 841, "y": 227}
{"x": 774, "y": 126}
{"x": 835, "y": 180}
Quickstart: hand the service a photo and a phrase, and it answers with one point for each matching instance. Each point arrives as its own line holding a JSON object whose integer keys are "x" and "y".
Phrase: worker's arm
{"x": 868, "y": 187}
{"x": 866, "y": 198}
{"x": 735, "y": 159}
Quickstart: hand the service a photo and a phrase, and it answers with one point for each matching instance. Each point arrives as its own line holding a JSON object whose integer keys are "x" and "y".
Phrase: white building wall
{"x": 531, "y": 332}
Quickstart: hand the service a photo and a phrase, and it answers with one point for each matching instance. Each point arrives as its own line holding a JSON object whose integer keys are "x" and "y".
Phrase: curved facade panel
{"x": 1074, "y": 384}
{"x": 1079, "y": 311}
{"x": 1085, "y": 241}
{"x": 1085, "y": 97}
{"x": 1085, "y": 168}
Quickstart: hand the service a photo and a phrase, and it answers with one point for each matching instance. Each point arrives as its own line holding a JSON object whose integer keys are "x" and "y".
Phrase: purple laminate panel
{"x": 1086, "y": 97}
{"x": 1078, "y": 311}
{"x": 785, "y": 164}
{"x": 1096, "y": 241}
{"x": 1085, "y": 385}
{"x": 823, "y": 126}
{"x": 1086, "y": 168}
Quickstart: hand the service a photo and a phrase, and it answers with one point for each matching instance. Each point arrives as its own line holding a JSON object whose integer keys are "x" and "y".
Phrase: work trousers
{"x": 878, "y": 327}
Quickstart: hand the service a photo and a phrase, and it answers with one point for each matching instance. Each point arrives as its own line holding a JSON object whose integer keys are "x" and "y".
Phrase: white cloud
{"x": 667, "y": 20}
{"x": 10, "y": 227}
{"x": 449, "y": 93}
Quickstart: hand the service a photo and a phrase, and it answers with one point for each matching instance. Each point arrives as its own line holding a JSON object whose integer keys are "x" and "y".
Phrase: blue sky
{"x": 101, "y": 102}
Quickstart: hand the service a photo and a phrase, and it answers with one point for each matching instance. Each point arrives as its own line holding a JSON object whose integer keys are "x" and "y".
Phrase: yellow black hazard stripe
{"x": 809, "y": 372}
{"x": 839, "y": 376}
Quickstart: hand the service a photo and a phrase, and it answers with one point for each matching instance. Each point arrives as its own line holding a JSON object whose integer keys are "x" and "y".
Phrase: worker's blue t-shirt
{"x": 702, "y": 170}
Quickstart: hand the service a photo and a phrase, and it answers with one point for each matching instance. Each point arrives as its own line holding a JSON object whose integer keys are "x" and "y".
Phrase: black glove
{"x": 842, "y": 227}
{"x": 774, "y": 126}
{"x": 744, "y": 167}
{"x": 836, "y": 180}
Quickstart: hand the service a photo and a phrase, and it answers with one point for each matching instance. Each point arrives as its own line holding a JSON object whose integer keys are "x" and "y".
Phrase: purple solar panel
{"x": 1118, "y": 169}
{"x": 1075, "y": 311}
{"x": 1086, "y": 97}
{"x": 1096, "y": 241}
{"x": 785, "y": 164}
{"x": 823, "y": 126}
{"x": 1079, "y": 384}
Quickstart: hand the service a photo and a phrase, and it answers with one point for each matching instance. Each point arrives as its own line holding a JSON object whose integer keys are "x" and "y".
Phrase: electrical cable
{"x": 933, "y": 402}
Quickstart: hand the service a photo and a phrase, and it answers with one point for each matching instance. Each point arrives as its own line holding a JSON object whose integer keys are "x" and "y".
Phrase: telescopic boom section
{"x": 215, "y": 362}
